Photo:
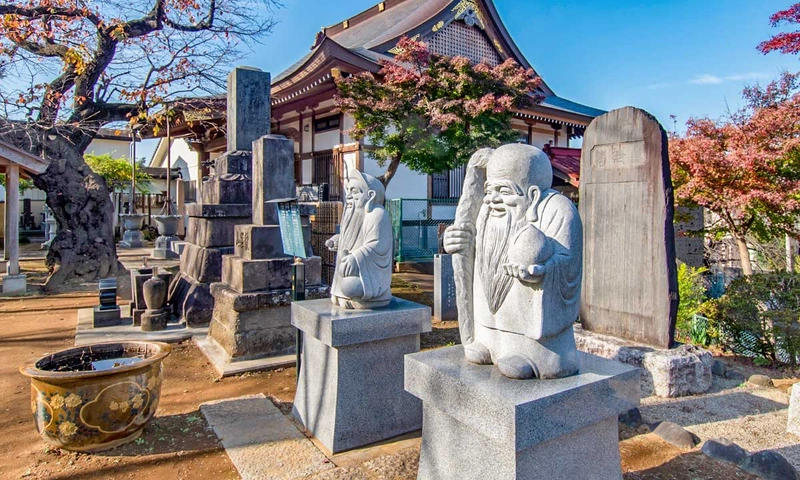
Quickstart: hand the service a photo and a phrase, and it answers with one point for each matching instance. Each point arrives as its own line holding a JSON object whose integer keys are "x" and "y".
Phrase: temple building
{"x": 303, "y": 107}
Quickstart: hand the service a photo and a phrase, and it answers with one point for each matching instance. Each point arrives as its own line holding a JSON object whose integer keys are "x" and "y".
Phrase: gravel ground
{"x": 753, "y": 417}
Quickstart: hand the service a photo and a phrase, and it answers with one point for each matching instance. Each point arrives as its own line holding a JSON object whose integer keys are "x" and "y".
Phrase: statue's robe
{"x": 372, "y": 249}
{"x": 542, "y": 310}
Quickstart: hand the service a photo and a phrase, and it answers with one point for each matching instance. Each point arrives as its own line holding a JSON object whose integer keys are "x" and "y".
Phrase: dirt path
{"x": 177, "y": 444}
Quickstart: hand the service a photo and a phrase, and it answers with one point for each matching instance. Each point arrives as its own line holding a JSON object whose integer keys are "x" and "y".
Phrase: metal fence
{"x": 323, "y": 227}
{"x": 416, "y": 224}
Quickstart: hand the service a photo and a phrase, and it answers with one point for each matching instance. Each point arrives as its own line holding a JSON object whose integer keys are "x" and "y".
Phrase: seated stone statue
{"x": 525, "y": 242}
{"x": 363, "y": 275}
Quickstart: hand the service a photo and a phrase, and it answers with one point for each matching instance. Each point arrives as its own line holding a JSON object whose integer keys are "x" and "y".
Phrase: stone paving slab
{"x": 86, "y": 334}
{"x": 261, "y": 441}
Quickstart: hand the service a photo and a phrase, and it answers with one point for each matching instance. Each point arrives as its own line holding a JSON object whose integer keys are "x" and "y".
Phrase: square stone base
{"x": 15, "y": 283}
{"x": 164, "y": 254}
{"x": 106, "y": 318}
{"x": 248, "y": 326}
{"x": 674, "y": 372}
{"x": 478, "y": 424}
{"x": 214, "y": 231}
{"x": 350, "y": 391}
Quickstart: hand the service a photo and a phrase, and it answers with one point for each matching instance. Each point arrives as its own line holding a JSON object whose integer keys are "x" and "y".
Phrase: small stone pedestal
{"x": 15, "y": 283}
{"x": 478, "y": 424}
{"x": 350, "y": 392}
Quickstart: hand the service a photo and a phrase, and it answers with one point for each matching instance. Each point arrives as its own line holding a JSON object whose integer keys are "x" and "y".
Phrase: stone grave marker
{"x": 444, "y": 288}
{"x": 630, "y": 287}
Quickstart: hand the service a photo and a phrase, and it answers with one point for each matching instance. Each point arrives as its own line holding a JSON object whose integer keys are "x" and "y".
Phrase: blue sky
{"x": 669, "y": 57}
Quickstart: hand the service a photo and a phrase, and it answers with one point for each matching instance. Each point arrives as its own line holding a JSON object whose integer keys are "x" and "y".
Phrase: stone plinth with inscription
{"x": 444, "y": 289}
{"x": 630, "y": 288}
{"x": 251, "y": 319}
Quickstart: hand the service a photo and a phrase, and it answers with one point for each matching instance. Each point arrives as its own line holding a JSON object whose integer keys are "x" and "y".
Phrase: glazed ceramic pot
{"x": 155, "y": 292}
{"x": 97, "y": 396}
{"x": 167, "y": 224}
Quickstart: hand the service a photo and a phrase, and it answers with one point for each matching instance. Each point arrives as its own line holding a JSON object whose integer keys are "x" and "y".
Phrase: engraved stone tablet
{"x": 630, "y": 285}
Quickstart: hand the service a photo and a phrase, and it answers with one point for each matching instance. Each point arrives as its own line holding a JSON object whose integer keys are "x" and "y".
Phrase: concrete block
{"x": 203, "y": 264}
{"x": 256, "y": 275}
{"x": 509, "y": 429}
{"x": 338, "y": 402}
{"x": 234, "y": 162}
{"x": 254, "y": 242}
{"x": 233, "y": 189}
{"x": 213, "y": 232}
{"x": 106, "y": 318}
{"x": 273, "y": 175}
{"x": 675, "y": 372}
{"x": 216, "y": 210}
{"x": 15, "y": 283}
{"x": 155, "y": 321}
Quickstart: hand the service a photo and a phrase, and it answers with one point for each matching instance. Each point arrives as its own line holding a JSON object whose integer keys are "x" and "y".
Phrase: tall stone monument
{"x": 350, "y": 390}
{"x": 630, "y": 289}
{"x": 630, "y": 277}
{"x": 552, "y": 412}
{"x": 226, "y": 199}
{"x": 251, "y": 323}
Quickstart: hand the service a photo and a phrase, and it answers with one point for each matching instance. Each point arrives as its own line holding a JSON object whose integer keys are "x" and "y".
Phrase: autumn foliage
{"x": 785, "y": 42}
{"x": 70, "y": 67}
{"x": 432, "y": 112}
{"x": 745, "y": 169}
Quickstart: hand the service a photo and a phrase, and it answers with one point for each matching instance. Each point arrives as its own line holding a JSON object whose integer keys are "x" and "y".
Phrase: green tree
{"x": 432, "y": 112}
{"x": 692, "y": 293}
{"x": 24, "y": 183}
{"x": 117, "y": 172}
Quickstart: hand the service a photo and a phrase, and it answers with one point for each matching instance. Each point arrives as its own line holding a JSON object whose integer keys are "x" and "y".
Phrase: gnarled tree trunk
{"x": 84, "y": 246}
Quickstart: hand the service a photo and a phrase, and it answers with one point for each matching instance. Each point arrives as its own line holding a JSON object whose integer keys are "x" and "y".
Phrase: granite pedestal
{"x": 478, "y": 424}
{"x": 350, "y": 392}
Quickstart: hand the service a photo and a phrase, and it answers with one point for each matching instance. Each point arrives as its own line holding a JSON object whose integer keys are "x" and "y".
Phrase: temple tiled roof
{"x": 387, "y": 25}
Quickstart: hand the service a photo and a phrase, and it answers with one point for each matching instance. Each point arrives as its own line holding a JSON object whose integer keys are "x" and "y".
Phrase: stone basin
{"x": 98, "y": 396}
{"x": 133, "y": 221}
{"x": 167, "y": 224}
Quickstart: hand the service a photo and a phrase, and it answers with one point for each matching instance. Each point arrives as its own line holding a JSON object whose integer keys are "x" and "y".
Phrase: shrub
{"x": 759, "y": 317}
{"x": 692, "y": 293}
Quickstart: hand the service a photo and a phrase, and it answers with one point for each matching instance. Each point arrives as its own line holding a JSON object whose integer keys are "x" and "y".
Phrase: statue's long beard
{"x": 352, "y": 221}
{"x": 494, "y": 238}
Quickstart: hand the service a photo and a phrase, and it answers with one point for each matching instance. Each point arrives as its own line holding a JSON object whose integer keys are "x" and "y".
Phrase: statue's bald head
{"x": 368, "y": 183}
{"x": 525, "y": 165}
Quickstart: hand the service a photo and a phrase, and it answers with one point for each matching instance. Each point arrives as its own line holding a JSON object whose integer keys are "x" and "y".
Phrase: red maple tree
{"x": 784, "y": 42}
{"x": 745, "y": 169}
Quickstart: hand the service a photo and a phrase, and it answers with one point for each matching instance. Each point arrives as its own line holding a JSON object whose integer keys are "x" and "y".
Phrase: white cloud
{"x": 706, "y": 79}
{"x": 747, "y": 76}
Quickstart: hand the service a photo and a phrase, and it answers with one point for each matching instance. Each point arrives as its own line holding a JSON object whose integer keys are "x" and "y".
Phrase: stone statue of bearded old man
{"x": 363, "y": 275}
{"x": 525, "y": 243}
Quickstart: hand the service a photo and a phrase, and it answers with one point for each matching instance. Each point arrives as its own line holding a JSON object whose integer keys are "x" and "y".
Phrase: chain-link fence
{"x": 416, "y": 224}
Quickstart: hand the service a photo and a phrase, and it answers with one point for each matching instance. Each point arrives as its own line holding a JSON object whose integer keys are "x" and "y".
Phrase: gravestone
{"x": 444, "y": 289}
{"x": 251, "y": 318}
{"x": 226, "y": 199}
{"x": 630, "y": 287}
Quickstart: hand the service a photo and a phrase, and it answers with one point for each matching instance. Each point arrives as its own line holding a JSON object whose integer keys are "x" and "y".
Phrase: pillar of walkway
{"x": 13, "y": 282}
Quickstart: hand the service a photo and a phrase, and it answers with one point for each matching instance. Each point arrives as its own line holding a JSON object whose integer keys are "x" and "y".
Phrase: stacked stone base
{"x": 190, "y": 292}
{"x": 675, "y": 372}
{"x": 251, "y": 326}
{"x": 350, "y": 390}
{"x": 478, "y": 424}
